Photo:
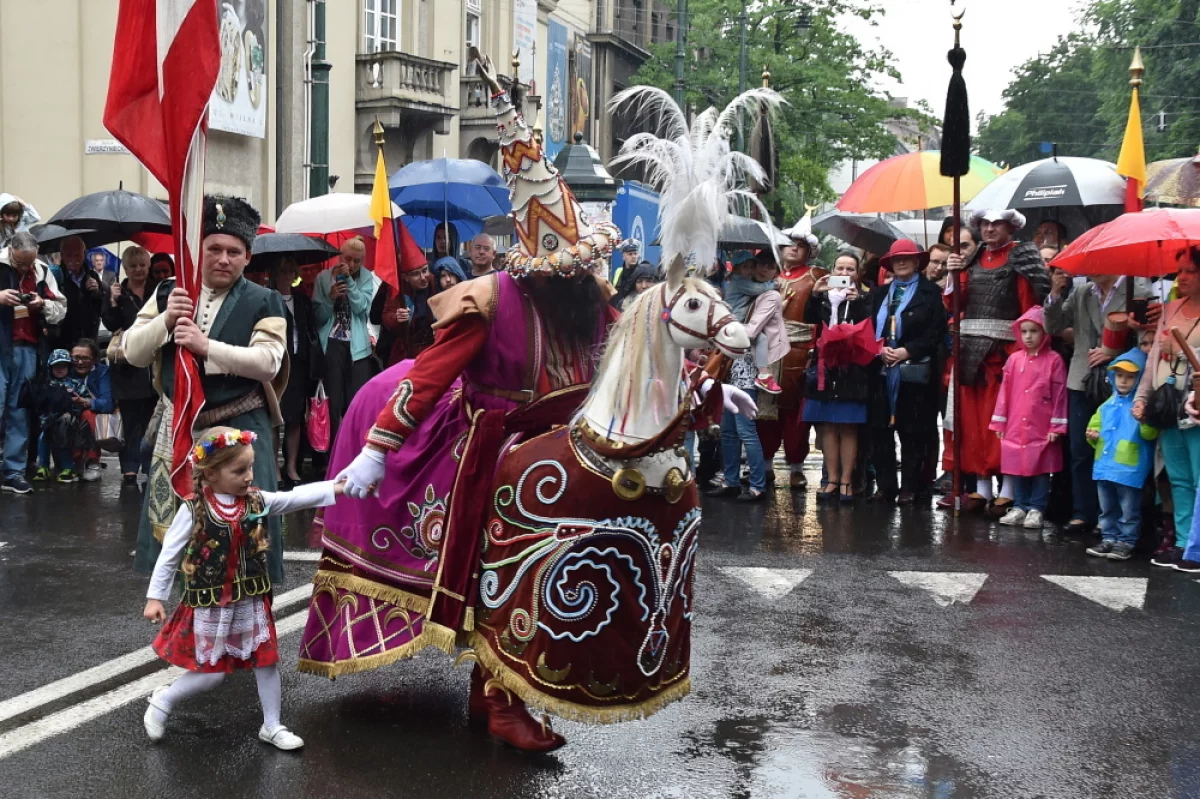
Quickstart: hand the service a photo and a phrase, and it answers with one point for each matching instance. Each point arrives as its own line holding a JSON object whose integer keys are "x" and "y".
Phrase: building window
{"x": 473, "y": 33}
{"x": 381, "y": 25}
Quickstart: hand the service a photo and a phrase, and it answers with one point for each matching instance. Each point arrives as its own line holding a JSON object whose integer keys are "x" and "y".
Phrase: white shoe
{"x": 1033, "y": 520}
{"x": 281, "y": 738}
{"x": 91, "y": 473}
{"x": 1014, "y": 517}
{"x": 156, "y": 726}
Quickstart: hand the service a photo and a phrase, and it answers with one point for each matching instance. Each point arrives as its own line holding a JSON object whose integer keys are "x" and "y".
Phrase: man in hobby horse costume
{"x": 513, "y": 356}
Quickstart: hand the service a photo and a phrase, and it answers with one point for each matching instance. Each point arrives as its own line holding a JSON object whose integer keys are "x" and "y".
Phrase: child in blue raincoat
{"x": 1124, "y": 457}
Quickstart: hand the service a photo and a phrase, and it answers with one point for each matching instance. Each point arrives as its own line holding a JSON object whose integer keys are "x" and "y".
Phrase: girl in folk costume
{"x": 224, "y": 621}
{"x": 1030, "y": 418}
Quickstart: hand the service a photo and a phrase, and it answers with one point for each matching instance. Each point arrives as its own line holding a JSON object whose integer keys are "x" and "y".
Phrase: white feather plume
{"x": 698, "y": 175}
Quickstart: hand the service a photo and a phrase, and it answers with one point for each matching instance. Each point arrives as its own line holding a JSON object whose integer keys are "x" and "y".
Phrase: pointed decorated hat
{"x": 554, "y": 235}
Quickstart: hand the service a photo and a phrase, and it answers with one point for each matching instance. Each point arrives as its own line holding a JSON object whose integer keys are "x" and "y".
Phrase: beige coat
{"x": 766, "y": 318}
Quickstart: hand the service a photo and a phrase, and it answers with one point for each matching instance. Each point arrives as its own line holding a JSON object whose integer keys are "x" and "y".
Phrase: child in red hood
{"x": 1030, "y": 418}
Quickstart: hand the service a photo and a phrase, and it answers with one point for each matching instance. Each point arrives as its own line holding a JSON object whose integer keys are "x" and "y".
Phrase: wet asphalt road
{"x": 850, "y": 684}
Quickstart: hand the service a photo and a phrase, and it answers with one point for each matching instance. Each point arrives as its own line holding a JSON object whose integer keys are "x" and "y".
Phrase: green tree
{"x": 833, "y": 112}
{"x": 1078, "y": 95}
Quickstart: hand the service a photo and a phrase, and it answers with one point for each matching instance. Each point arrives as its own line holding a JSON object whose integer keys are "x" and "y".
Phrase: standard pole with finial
{"x": 956, "y": 162}
{"x": 377, "y": 130}
{"x": 1132, "y": 161}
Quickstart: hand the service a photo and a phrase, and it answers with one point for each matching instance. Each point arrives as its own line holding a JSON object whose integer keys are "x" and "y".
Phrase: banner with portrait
{"x": 239, "y": 101}
{"x": 581, "y": 89}
{"x": 556, "y": 91}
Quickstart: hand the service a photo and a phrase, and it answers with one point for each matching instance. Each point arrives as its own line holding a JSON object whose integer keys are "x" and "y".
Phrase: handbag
{"x": 115, "y": 353}
{"x": 1165, "y": 406}
{"x": 918, "y": 372}
{"x": 317, "y": 423}
{"x": 1096, "y": 386}
{"x": 110, "y": 431}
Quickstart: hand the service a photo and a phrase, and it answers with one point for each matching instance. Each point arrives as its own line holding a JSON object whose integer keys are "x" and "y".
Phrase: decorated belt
{"x": 799, "y": 332}
{"x": 251, "y": 402}
{"x": 998, "y": 329}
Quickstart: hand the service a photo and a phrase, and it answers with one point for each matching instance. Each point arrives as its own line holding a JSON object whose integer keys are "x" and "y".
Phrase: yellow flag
{"x": 381, "y": 201}
{"x": 1132, "y": 162}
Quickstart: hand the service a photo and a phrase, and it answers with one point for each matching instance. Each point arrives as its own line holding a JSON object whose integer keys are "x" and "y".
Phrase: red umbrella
{"x": 1146, "y": 244}
{"x": 846, "y": 344}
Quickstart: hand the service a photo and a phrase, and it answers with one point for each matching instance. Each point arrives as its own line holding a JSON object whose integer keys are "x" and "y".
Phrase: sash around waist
{"x": 998, "y": 329}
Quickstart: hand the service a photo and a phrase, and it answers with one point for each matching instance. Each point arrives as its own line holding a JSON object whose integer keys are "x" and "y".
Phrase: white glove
{"x": 364, "y": 474}
{"x": 738, "y": 401}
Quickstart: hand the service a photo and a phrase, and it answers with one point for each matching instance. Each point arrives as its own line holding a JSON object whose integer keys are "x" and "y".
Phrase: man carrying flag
{"x": 217, "y": 340}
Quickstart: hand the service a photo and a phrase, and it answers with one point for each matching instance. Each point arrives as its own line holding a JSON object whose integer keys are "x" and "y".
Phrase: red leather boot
{"x": 509, "y": 721}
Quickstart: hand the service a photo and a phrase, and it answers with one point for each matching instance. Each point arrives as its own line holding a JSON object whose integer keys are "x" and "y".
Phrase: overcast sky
{"x": 998, "y": 35}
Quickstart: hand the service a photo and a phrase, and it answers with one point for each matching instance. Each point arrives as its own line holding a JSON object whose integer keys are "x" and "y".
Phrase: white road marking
{"x": 1116, "y": 593}
{"x": 771, "y": 583}
{"x": 3, "y": 544}
{"x": 25, "y": 702}
{"x": 307, "y": 556}
{"x": 69, "y": 718}
{"x": 947, "y": 587}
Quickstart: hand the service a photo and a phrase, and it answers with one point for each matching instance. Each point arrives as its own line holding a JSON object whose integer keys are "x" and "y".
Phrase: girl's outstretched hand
{"x": 155, "y": 611}
{"x": 339, "y": 487}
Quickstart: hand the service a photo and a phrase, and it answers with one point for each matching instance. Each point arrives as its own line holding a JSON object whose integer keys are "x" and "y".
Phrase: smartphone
{"x": 839, "y": 281}
{"x": 343, "y": 278}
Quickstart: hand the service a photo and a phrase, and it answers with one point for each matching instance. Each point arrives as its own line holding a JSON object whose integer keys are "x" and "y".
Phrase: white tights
{"x": 270, "y": 691}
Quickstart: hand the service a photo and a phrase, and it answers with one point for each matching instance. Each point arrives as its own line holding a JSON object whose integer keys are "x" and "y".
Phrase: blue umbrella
{"x": 450, "y": 189}
{"x": 422, "y": 228}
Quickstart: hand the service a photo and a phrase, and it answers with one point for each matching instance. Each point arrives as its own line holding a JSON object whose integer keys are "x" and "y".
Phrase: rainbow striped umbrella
{"x": 913, "y": 182}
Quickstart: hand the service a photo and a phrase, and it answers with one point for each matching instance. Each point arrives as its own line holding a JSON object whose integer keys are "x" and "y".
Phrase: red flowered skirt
{"x": 220, "y": 640}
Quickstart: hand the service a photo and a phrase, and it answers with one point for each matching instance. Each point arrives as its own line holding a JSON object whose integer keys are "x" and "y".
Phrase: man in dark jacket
{"x": 83, "y": 291}
{"x": 29, "y": 301}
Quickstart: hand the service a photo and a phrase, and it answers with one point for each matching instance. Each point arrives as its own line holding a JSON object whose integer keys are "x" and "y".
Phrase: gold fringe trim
{"x": 443, "y": 638}
{"x": 370, "y": 663}
{"x": 571, "y": 711}
{"x": 372, "y": 589}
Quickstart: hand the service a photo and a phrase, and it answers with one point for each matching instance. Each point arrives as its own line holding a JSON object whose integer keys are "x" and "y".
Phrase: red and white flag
{"x": 165, "y": 62}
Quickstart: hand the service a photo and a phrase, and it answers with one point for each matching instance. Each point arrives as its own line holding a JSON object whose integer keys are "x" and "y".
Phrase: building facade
{"x": 403, "y": 62}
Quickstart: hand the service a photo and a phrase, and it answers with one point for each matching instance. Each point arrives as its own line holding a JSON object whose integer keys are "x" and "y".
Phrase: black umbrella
{"x": 116, "y": 214}
{"x": 864, "y": 231}
{"x": 302, "y": 249}
{"x": 50, "y": 237}
{"x": 743, "y": 233}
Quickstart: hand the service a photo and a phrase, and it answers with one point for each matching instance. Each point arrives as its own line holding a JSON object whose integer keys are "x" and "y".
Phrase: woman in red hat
{"x": 911, "y": 321}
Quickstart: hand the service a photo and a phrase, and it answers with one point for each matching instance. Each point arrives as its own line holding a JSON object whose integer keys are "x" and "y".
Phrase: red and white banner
{"x": 165, "y": 62}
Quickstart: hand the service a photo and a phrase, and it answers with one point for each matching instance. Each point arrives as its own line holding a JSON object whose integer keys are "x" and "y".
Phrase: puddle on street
{"x": 780, "y": 758}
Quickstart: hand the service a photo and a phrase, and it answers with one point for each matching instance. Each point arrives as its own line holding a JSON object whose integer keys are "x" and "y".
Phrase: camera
{"x": 839, "y": 281}
{"x": 25, "y": 298}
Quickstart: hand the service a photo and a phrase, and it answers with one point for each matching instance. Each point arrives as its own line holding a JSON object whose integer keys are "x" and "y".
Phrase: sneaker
{"x": 155, "y": 719}
{"x": 68, "y": 476}
{"x": 1034, "y": 520}
{"x": 42, "y": 475}
{"x": 768, "y": 384}
{"x": 1168, "y": 559}
{"x": 91, "y": 473}
{"x": 1189, "y": 566}
{"x": 1122, "y": 551}
{"x": 17, "y": 484}
{"x": 1102, "y": 550}
{"x": 1014, "y": 517}
{"x": 280, "y": 738}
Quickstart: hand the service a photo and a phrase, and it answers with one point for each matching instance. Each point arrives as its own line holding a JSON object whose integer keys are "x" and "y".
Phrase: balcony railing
{"x": 404, "y": 77}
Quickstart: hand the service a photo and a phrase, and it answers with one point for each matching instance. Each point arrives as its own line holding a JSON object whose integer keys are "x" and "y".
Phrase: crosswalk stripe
{"x": 771, "y": 583}
{"x": 1116, "y": 593}
{"x": 947, "y": 587}
{"x": 69, "y": 718}
{"x": 23, "y": 703}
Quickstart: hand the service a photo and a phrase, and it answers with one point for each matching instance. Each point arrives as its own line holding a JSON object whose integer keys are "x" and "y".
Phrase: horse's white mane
{"x": 699, "y": 175}
{"x": 635, "y": 351}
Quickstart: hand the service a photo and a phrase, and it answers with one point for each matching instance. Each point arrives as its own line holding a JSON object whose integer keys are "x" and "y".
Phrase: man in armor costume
{"x": 1002, "y": 280}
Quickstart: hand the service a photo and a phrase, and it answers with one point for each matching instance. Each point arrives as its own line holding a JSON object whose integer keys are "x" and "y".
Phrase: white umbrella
{"x": 329, "y": 213}
{"x": 1078, "y": 192}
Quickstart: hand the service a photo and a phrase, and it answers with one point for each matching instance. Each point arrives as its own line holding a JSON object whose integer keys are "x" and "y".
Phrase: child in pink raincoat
{"x": 1031, "y": 418}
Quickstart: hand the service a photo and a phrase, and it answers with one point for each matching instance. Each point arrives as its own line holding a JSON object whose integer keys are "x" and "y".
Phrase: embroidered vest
{"x": 207, "y": 561}
{"x": 246, "y": 305}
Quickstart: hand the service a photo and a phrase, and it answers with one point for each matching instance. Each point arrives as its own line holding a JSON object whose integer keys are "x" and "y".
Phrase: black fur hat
{"x": 232, "y": 216}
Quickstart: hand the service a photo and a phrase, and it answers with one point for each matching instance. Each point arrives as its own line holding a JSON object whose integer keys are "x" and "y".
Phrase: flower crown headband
{"x": 209, "y": 444}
